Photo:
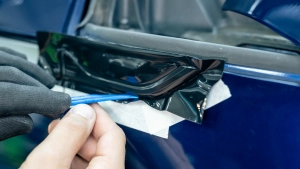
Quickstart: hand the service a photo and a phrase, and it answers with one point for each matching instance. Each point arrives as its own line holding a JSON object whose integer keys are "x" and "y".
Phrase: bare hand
{"x": 85, "y": 138}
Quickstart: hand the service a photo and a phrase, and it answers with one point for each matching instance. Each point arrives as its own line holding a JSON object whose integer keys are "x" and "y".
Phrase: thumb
{"x": 63, "y": 143}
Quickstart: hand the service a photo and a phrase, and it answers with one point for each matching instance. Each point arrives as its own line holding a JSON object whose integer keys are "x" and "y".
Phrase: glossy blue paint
{"x": 281, "y": 16}
{"x": 25, "y": 17}
{"x": 258, "y": 127}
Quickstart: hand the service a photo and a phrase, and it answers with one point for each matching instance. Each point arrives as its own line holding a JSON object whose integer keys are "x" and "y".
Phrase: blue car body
{"x": 25, "y": 17}
{"x": 258, "y": 127}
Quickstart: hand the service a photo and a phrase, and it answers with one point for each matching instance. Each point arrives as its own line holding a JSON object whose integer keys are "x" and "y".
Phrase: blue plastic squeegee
{"x": 95, "y": 98}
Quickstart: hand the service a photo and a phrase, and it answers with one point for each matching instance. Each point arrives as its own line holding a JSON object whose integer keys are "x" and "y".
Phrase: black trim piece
{"x": 165, "y": 81}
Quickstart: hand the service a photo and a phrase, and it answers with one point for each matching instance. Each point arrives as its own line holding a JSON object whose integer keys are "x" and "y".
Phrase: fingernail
{"x": 84, "y": 111}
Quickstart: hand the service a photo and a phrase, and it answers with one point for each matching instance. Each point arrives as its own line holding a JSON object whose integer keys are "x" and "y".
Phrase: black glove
{"x": 24, "y": 89}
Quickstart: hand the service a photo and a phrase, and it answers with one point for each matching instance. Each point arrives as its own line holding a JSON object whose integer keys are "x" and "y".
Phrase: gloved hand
{"x": 24, "y": 89}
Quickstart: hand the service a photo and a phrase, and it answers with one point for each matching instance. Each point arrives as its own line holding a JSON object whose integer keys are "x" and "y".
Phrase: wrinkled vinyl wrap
{"x": 137, "y": 115}
{"x": 140, "y": 116}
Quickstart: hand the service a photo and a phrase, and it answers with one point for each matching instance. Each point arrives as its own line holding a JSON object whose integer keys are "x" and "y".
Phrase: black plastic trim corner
{"x": 165, "y": 81}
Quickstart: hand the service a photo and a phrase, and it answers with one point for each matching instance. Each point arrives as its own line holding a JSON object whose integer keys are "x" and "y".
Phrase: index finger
{"x": 110, "y": 151}
{"x": 29, "y": 68}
